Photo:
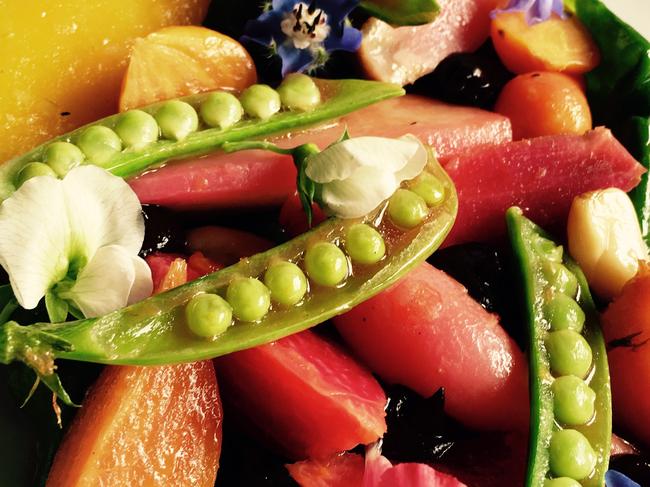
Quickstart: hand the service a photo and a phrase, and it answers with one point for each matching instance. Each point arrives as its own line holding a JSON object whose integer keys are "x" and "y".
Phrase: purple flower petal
{"x": 349, "y": 41}
{"x": 296, "y": 49}
{"x": 617, "y": 479}
{"x": 337, "y": 10}
{"x": 264, "y": 29}
{"x": 294, "y": 60}
{"x": 535, "y": 10}
{"x": 283, "y": 5}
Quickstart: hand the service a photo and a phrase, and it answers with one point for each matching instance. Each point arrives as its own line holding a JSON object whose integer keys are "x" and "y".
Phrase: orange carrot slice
{"x": 144, "y": 426}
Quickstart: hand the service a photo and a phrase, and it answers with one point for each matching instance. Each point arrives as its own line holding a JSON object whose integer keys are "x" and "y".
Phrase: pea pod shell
{"x": 154, "y": 331}
{"x": 522, "y": 232}
{"x": 339, "y": 97}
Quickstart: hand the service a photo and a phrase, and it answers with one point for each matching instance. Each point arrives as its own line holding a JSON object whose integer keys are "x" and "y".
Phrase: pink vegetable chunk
{"x": 342, "y": 470}
{"x": 541, "y": 175}
{"x": 380, "y": 472}
{"x": 426, "y": 332}
{"x": 258, "y": 178}
{"x": 304, "y": 395}
{"x": 403, "y": 54}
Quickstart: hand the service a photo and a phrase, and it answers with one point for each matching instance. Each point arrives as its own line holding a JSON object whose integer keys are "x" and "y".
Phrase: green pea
{"x": 571, "y": 455}
{"x": 32, "y": 170}
{"x": 429, "y": 188}
{"x": 561, "y": 482}
{"x": 260, "y": 101}
{"x": 99, "y": 144}
{"x": 561, "y": 278}
{"x": 208, "y": 315}
{"x": 326, "y": 264}
{"x": 548, "y": 249}
{"x": 569, "y": 353}
{"x": 564, "y": 313}
{"x": 137, "y": 129}
{"x": 177, "y": 119}
{"x": 62, "y": 157}
{"x": 364, "y": 244}
{"x": 299, "y": 92}
{"x": 249, "y": 298}
{"x": 573, "y": 400}
{"x": 407, "y": 209}
{"x": 221, "y": 109}
{"x": 287, "y": 283}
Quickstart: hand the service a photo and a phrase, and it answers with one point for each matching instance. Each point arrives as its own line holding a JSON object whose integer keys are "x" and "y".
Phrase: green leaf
{"x": 402, "y": 12}
{"x": 618, "y": 90}
{"x": 620, "y": 86}
{"x": 57, "y": 308}
{"x": 6, "y": 295}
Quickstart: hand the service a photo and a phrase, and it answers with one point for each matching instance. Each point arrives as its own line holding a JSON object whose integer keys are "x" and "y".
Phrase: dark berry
{"x": 473, "y": 79}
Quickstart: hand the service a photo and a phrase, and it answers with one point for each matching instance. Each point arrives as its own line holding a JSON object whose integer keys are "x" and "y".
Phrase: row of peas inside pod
{"x": 172, "y": 120}
{"x": 570, "y": 359}
{"x": 570, "y": 392}
{"x": 323, "y": 265}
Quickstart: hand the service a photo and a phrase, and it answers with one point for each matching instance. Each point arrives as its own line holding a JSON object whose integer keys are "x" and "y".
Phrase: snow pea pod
{"x": 180, "y": 138}
{"x": 155, "y": 331}
{"x": 570, "y": 422}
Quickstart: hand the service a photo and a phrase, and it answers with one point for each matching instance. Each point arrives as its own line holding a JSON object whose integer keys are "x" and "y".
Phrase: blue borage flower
{"x": 535, "y": 10}
{"x": 303, "y": 33}
{"x": 617, "y": 479}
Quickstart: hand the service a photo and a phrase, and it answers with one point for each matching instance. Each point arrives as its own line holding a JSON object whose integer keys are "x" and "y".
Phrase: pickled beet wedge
{"x": 304, "y": 396}
{"x": 541, "y": 175}
{"x": 426, "y": 332}
{"x": 259, "y": 178}
{"x": 403, "y": 54}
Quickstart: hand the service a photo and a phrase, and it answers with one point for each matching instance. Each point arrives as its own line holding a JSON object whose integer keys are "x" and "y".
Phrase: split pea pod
{"x": 129, "y": 143}
{"x": 570, "y": 421}
{"x": 268, "y": 296}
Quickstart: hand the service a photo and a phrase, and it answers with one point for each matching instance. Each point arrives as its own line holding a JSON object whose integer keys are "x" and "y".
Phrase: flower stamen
{"x": 306, "y": 26}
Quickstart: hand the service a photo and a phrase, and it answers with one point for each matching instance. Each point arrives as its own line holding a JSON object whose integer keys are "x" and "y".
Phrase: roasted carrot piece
{"x": 144, "y": 426}
{"x": 544, "y": 103}
{"x": 626, "y": 325}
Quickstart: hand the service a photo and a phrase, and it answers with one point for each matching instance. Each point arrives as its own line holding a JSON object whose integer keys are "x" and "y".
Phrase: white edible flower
{"x": 77, "y": 238}
{"x": 357, "y": 174}
{"x": 605, "y": 238}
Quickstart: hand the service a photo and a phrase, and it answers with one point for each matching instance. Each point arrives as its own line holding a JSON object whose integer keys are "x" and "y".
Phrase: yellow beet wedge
{"x": 184, "y": 60}
{"x": 64, "y": 61}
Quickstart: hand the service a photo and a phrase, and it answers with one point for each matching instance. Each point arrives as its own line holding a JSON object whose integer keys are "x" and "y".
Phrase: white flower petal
{"x": 105, "y": 283}
{"x": 415, "y": 165}
{"x": 34, "y": 241}
{"x": 359, "y": 194}
{"x": 143, "y": 282}
{"x": 103, "y": 210}
{"x": 341, "y": 160}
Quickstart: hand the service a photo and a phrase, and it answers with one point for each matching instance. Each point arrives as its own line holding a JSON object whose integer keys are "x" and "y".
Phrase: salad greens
{"x": 402, "y": 12}
{"x": 618, "y": 90}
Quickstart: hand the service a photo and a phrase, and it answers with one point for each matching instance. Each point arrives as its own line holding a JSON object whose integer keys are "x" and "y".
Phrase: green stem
{"x": 255, "y": 144}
